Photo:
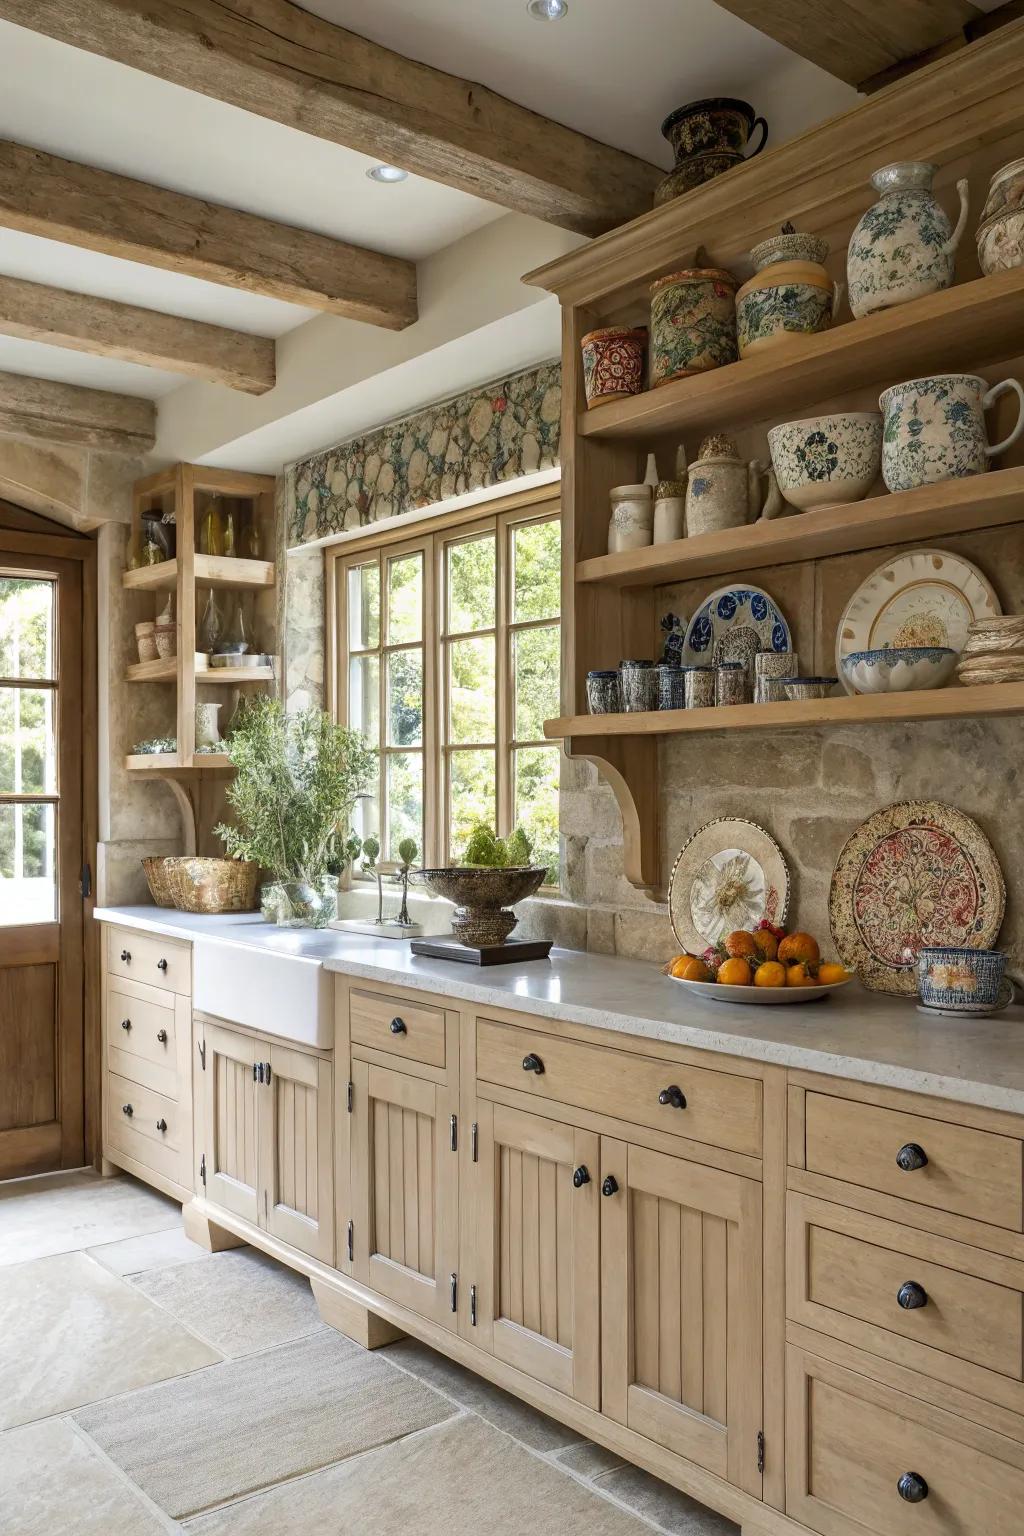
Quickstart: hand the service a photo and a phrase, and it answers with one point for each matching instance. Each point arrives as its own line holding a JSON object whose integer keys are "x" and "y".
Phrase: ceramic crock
{"x": 207, "y": 725}
{"x": 613, "y": 363}
{"x": 824, "y": 461}
{"x": 669, "y": 511}
{"x": 1001, "y": 231}
{"x": 723, "y": 491}
{"x": 935, "y": 429}
{"x": 693, "y": 323}
{"x": 905, "y": 245}
{"x": 632, "y": 519}
{"x": 638, "y": 681}
{"x": 707, "y": 138}
{"x": 963, "y": 980}
{"x": 784, "y": 300}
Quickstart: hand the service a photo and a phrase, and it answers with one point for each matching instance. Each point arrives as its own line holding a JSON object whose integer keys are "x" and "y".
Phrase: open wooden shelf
{"x": 209, "y": 570}
{"x": 152, "y": 578}
{"x": 229, "y": 676}
{"x": 969, "y": 324}
{"x": 151, "y": 762}
{"x": 953, "y": 703}
{"x": 163, "y": 670}
{"x": 930, "y": 511}
{"x": 169, "y": 764}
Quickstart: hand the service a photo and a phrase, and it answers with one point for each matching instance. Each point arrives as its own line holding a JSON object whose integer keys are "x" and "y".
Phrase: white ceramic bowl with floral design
{"x": 826, "y": 460}
{"x": 900, "y": 669}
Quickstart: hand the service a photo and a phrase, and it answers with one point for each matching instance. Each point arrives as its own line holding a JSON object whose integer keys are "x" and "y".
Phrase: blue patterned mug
{"x": 934, "y": 429}
{"x": 964, "y": 980}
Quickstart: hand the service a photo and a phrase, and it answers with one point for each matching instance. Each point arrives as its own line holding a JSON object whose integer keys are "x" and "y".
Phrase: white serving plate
{"x": 759, "y": 996}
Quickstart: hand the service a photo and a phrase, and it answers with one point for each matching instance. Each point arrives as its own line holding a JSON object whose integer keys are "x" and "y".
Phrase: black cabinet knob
{"x": 581, "y": 1176}
{"x": 126, "y": 1023}
{"x": 912, "y": 1488}
{"x": 161, "y": 965}
{"x": 911, "y": 1157}
{"x": 532, "y": 1063}
{"x": 161, "y": 1124}
{"x": 161, "y": 1035}
{"x": 673, "y": 1095}
{"x": 610, "y": 1185}
{"x": 911, "y": 1296}
{"x": 126, "y": 956}
{"x": 398, "y": 1027}
{"x": 126, "y": 1109}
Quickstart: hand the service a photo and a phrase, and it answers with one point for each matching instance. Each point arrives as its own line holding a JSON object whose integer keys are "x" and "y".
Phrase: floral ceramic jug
{"x": 905, "y": 245}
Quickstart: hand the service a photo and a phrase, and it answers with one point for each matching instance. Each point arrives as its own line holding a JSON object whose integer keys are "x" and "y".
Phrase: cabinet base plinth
{"x": 207, "y": 1233}
{"x": 108, "y": 1170}
{"x": 354, "y": 1321}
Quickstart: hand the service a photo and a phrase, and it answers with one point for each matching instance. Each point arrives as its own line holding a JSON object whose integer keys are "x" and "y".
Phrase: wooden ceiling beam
{"x": 107, "y": 328}
{"x": 274, "y": 59}
{"x": 67, "y": 413}
{"x": 62, "y": 200}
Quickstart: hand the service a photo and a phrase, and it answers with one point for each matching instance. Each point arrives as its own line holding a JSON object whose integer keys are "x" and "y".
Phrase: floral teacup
{"x": 935, "y": 428}
{"x": 826, "y": 460}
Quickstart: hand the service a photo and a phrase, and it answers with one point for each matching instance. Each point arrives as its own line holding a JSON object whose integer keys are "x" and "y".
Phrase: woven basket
{"x": 210, "y": 886}
{"x": 157, "y": 880}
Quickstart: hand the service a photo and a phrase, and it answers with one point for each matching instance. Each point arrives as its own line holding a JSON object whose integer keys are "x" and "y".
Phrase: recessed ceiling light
{"x": 395, "y": 172}
{"x": 547, "y": 10}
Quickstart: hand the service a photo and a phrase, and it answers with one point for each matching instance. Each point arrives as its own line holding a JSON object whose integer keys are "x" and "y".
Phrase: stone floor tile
{"x": 664, "y": 1506}
{"x": 241, "y": 1301}
{"x": 52, "y": 1483}
{"x": 588, "y": 1460}
{"x": 56, "y": 1213}
{"x": 154, "y": 1250}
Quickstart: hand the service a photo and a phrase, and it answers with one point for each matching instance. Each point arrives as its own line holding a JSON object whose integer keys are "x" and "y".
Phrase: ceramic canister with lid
{"x": 613, "y": 363}
{"x": 693, "y": 323}
{"x": 1001, "y": 230}
{"x": 639, "y": 683}
{"x": 632, "y": 519}
{"x": 790, "y": 295}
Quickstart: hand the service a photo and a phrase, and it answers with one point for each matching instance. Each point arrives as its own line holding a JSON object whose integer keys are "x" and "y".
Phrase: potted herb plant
{"x": 297, "y": 779}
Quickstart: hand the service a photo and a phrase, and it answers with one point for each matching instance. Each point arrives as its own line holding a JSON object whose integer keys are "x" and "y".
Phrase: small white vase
{"x": 207, "y": 725}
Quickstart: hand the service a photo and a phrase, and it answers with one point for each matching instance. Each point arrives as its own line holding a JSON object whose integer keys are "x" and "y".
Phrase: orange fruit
{"x": 734, "y": 972}
{"x": 770, "y": 973}
{"x": 796, "y": 975}
{"x": 689, "y": 968}
{"x": 799, "y": 946}
{"x": 830, "y": 973}
{"x": 741, "y": 945}
{"x": 766, "y": 943}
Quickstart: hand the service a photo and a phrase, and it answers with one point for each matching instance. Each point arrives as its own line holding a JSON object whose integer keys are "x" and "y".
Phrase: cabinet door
{"x": 405, "y": 1190}
{"x": 295, "y": 1149}
{"x": 681, "y": 1307}
{"x": 537, "y": 1272}
{"x": 229, "y": 1138}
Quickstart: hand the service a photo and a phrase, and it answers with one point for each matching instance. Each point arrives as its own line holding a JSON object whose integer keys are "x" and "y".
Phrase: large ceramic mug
{"x": 935, "y": 428}
{"x": 964, "y": 980}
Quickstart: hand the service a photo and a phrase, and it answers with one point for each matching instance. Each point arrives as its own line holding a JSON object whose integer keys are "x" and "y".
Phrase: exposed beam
{"x": 987, "y": 22}
{"x": 854, "y": 39}
{"x": 66, "y": 413}
{"x": 106, "y": 328}
{"x": 78, "y": 205}
{"x": 275, "y": 59}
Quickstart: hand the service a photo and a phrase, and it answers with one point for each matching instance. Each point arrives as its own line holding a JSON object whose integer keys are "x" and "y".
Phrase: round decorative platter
{"x": 730, "y": 874}
{"x": 913, "y": 874}
{"x": 759, "y": 996}
{"x": 733, "y": 624}
{"x": 926, "y": 597}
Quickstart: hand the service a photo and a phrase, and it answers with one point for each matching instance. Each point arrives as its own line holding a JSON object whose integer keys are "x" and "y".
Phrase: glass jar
{"x": 639, "y": 683}
{"x": 732, "y": 683}
{"x": 604, "y": 696}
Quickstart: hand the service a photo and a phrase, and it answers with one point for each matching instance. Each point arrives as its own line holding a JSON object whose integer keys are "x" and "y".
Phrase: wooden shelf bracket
{"x": 630, "y": 766}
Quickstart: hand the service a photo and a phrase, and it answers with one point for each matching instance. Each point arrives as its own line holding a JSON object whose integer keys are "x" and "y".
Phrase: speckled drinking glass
{"x": 604, "y": 696}
{"x": 699, "y": 687}
{"x": 771, "y": 668}
{"x": 671, "y": 686}
{"x": 639, "y": 683}
{"x": 732, "y": 683}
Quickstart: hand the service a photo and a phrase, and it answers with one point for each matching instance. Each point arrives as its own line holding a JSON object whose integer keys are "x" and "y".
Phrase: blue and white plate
{"x": 733, "y": 624}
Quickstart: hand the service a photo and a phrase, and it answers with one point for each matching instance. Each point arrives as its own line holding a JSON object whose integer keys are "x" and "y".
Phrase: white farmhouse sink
{"x": 278, "y": 986}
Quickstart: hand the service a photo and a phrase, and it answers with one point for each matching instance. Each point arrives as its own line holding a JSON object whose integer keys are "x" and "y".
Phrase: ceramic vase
{"x": 707, "y": 138}
{"x": 669, "y": 511}
{"x": 905, "y": 245}
{"x": 824, "y": 461}
{"x": 725, "y": 492}
{"x": 693, "y": 323}
{"x": 1001, "y": 230}
{"x": 207, "y": 725}
{"x": 935, "y": 429}
{"x": 632, "y": 519}
{"x": 613, "y": 363}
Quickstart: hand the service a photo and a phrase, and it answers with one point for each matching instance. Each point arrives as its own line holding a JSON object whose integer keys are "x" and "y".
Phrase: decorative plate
{"x": 926, "y": 597}
{"x": 760, "y": 996}
{"x": 733, "y": 624}
{"x": 729, "y": 875}
{"x": 913, "y": 874}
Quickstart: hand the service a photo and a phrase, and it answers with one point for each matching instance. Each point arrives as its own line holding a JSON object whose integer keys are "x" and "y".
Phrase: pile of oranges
{"x": 763, "y": 957}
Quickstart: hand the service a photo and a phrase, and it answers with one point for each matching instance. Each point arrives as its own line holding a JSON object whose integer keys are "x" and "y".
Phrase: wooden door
{"x": 42, "y": 697}
{"x": 229, "y": 1134}
{"x": 295, "y": 1148}
{"x": 538, "y": 1244}
{"x": 405, "y": 1190}
{"x": 681, "y": 1307}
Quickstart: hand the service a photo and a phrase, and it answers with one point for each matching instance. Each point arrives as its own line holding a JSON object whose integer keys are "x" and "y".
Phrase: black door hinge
{"x": 202, "y": 1169}
{"x": 202, "y": 1054}
{"x": 351, "y": 1094}
{"x": 474, "y": 1141}
{"x": 472, "y": 1305}
{"x": 351, "y": 1240}
{"x": 760, "y": 1450}
{"x": 85, "y": 882}
{"x": 454, "y": 1291}
{"x": 453, "y": 1133}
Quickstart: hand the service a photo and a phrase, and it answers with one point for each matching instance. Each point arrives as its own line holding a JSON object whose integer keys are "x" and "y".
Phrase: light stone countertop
{"x": 856, "y": 1034}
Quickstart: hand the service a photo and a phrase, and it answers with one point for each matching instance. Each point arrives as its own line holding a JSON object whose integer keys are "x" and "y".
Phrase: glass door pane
{"x": 28, "y": 863}
{"x": 27, "y": 611}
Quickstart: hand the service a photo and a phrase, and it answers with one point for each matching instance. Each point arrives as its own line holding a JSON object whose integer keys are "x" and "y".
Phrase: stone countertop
{"x": 861, "y": 1035}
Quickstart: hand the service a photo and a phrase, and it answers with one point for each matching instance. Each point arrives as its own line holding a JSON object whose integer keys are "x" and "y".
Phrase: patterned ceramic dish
{"x": 924, "y": 598}
{"x": 913, "y": 875}
{"x": 809, "y": 687}
{"x": 825, "y": 460}
{"x": 759, "y": 996}
{"x": 733, "y": 624}
{"x": 899, "y": 669}
{"x": 730, "y": 874}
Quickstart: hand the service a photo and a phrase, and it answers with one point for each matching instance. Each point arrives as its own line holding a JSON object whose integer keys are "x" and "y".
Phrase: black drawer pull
{"x": 673, "y": 1095}
{"x": 581, "y": 1176}
{"x": 126, "y": 956}
{"x": 161, "y": 965}
{"x": 610, "y": 1185}
{"x": 126, "y": 1023}
{"x": 532, "y": 1063}
{"x": 910, "y": 1296}
{"x": 161, "y": 1035}
{"x": 398, "y": 1027}
{"x": 126, "y": 1109}
{"x": 911, "y": 1157}
{"x": 912, "y": 1488}
{"x": 161, "y": 1124}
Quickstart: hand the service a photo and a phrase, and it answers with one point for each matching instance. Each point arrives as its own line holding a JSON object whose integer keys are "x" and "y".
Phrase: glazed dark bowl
{"x": 482, "y": 898}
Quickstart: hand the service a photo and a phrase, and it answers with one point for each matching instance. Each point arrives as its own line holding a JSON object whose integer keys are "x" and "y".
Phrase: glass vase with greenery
{"x": 296, "y": 783}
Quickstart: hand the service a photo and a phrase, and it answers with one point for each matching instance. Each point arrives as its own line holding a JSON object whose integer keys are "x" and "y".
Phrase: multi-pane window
{"x": 452, "y": 641}
{"x": 28, "y": 756}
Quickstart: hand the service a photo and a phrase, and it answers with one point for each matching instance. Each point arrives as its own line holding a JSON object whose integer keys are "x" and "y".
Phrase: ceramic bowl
{"x": 900, "y": 669}
{"x": 825, "y": 460}
{"x": 483, "y": 898}
{"x": 791, "y": 247}
{"x": 809, "y": 687}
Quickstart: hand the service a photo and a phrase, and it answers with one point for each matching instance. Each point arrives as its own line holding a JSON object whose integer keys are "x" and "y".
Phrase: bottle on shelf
{"x": 211, "y": 529}
{"x": 211, "y": 624}
{"x": 232, "y": 537}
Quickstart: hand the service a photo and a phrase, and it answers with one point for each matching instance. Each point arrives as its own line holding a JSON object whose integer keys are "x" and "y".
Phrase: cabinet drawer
{"x": 968, "y": 1172}
{"x": 145, "y": 957}
{"x": 852, "y": 1441}
{"x": 937, "y": 1306}
{"x": 407, "y": 1030}
{"x": 718, "y": 1108}
{"x": 138, "y": 1135}
{"x": 142, "y": 1043}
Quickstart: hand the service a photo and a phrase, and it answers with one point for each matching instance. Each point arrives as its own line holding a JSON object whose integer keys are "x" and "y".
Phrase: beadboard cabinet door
{"x": 405, "y": 1190}
{"x": 296, "y": 1149}
{"x": 230, "y": 1140}
{"x": 537, "y": 1272}
{"x": 681, "y": 1307}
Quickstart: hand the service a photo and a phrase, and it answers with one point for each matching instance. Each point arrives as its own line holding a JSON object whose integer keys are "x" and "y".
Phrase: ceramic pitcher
{"x": 934, "y": 429}
{"x": 724, "y": 492}
{"x": 905, "y": 245}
